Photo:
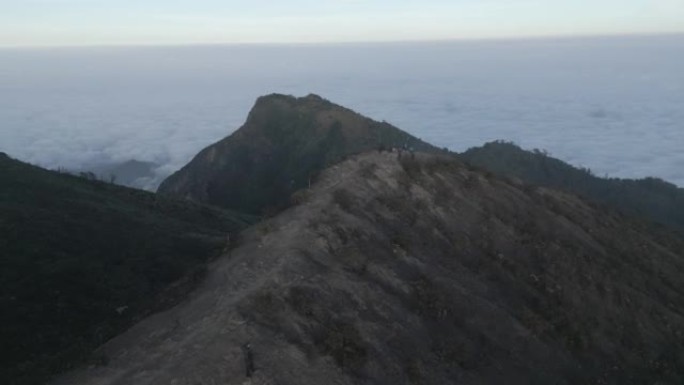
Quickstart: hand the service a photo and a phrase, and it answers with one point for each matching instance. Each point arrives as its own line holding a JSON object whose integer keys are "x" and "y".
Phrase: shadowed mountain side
{"x": 650, "y": 197}
{"x": 81, "y": 260}
{"x": 284, "y": 143}
{"x": 422, "y": 271}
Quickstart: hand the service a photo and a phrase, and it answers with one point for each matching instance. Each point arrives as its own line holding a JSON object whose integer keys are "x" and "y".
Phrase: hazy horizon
{"x": 612, "y": 104}
{"x": 491, "y": 39}
{"x": 99, "y": 22}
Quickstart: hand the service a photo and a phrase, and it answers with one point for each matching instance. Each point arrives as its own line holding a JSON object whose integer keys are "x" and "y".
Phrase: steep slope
{"x": 422, "y": 271}
{"x": 80, "y": 260}
{"x": 650, "y": 197}
{"x": 283, "y": 144}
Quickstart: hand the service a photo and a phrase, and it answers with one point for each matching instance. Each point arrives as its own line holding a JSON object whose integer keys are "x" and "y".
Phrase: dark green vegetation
{"x": 283, "y": 145}
{"x": 649, "y": 198}
{"x": 81, "y": 260}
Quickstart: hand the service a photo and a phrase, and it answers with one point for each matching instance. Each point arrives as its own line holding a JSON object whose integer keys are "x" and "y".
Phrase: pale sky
{"x": 133, "y": 22}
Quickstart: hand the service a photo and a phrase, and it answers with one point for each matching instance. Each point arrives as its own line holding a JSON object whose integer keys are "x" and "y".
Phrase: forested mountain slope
{"x": 650, "y": 197}
{"x": 80, "y": 260}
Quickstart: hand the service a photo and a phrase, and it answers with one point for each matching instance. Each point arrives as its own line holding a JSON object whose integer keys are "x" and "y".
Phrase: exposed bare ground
{"x": 421, "y": 271}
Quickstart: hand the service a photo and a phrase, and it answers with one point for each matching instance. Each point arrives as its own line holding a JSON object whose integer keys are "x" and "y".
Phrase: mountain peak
{"x": 310, "y": 100}
{"x": 284, "y": 143}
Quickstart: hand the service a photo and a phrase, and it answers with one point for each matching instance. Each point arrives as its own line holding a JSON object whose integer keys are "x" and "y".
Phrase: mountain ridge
{"x": 652, "y": 198}
{"x": 381, "y": 259}
{"x": 417, "y": 269}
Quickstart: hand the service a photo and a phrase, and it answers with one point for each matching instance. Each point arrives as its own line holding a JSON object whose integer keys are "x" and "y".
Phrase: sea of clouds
{"x": 615, "y": 105}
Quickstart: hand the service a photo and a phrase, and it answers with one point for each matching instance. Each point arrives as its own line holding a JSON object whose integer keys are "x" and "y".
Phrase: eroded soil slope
{"x": 421, "y": 271}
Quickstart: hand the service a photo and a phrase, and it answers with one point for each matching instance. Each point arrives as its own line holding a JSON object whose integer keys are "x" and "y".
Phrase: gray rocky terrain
{"x": 415, "y": 269}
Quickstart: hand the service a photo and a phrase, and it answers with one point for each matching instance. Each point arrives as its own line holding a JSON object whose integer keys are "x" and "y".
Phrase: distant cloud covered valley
{"x": 614, "y": 105}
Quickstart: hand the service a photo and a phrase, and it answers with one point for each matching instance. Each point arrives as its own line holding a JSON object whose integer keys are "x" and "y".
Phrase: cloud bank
{"x": 610, "y": 104}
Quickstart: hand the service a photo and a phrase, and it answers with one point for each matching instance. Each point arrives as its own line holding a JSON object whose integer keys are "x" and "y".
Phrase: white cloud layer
{"x": 612, "y": 104}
